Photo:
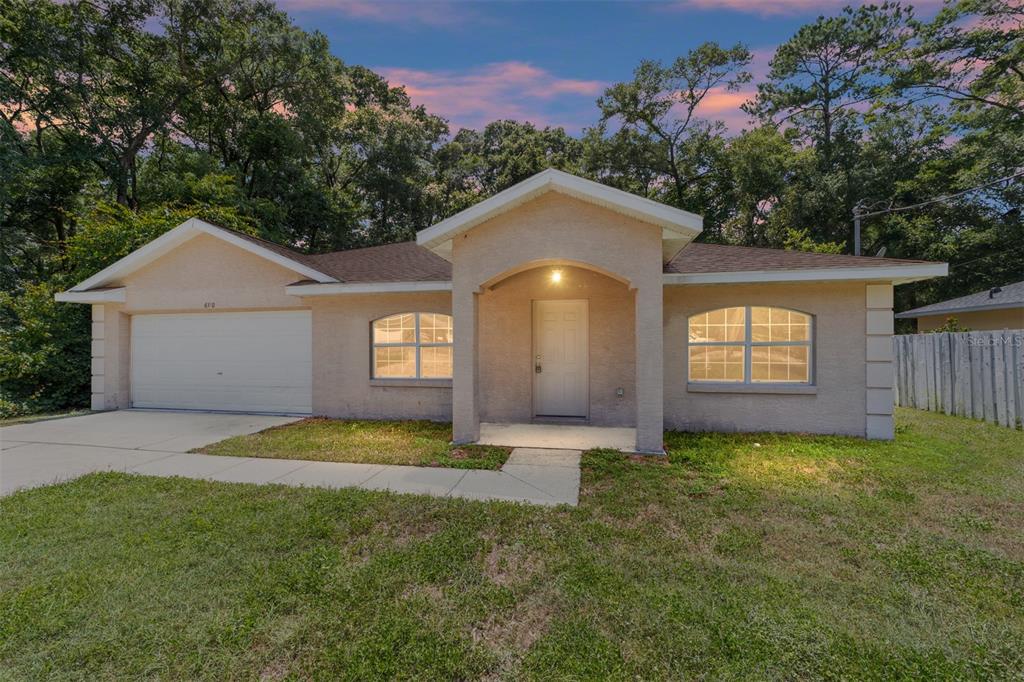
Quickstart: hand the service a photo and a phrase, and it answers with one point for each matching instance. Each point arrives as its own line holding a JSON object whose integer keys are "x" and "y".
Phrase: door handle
{"x": 536, "y": 366}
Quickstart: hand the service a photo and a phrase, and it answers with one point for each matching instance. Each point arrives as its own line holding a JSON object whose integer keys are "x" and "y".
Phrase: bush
{"x": 44, "y": 352}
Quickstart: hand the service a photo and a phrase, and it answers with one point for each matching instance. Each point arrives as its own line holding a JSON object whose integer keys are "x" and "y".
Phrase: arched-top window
{"x": 751, "y": 344}
{"x": 413, "y": 346}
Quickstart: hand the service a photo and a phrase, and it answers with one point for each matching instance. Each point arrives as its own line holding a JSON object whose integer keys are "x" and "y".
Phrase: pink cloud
{"x": 437, "y": 13}
{"x": 517, "y": 90}
{"x": 784, "y": 7}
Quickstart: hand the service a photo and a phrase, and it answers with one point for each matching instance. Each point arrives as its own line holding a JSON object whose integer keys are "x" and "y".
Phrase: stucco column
{"x": 465, "y": 373}
{"x": 879, "y": 363}
{"x": 650, "y": 377}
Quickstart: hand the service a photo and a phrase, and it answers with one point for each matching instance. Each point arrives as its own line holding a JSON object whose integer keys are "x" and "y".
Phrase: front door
{"x": 561, "y": 381}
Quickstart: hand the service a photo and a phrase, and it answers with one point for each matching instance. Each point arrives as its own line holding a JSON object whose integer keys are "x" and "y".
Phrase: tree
{"x": 91, "y": 74}
{"x": 661, "y": 104}
{"x": 971, "y": 53}
{"x": 480, "y": 164}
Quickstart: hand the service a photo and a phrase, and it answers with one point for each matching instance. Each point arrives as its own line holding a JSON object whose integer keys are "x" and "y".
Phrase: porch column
{"x": 465, "y": 373}
{"x": 650, "y": 376}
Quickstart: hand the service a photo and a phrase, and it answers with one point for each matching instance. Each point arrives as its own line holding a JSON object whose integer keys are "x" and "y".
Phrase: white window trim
{"x": 748, "y": 344}
{"x": 416, "y": 344}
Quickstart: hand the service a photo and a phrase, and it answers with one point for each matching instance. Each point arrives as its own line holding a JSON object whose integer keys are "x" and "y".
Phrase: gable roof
{"x": 1009, "y": 296}
{"x": 678, "y": 226}
{"x": 193, "y": 227}
{"x": 720, "y": 263}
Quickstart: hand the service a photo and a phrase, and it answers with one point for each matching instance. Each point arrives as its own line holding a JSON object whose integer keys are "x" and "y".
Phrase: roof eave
{"x": 95, "y": 296}
{"x": 897, "y": 274}
{"x": 348, "y": 288}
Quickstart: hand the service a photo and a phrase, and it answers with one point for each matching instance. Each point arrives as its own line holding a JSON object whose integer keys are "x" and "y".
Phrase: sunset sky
{"x": 545, "y": 62}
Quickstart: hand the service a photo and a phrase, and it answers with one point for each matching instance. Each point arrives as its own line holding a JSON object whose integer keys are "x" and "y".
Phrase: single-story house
{"x": 558, "y": 299}
{"x": 993, "y": 309}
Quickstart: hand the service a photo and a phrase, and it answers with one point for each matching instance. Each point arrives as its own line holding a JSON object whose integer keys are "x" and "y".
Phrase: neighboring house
{"x": 557, "y": 299}
{"x": 996, "y": 308}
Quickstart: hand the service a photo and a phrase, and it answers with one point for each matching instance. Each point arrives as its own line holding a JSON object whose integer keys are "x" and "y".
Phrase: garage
{"x": 237, "y": 362}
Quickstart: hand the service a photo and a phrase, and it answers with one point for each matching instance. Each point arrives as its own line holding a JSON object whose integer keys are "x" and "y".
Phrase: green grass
{"x": 740, "y": 557}
{"x": 27, "y": 418}
{"x": 417, "y": 443}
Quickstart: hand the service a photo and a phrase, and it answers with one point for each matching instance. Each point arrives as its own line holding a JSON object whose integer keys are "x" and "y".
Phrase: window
{"x": 413, "y": 346}
{"x": 750, "y": 344}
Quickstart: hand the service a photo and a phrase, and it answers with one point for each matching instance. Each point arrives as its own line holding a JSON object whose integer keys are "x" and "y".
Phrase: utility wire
{"x": 944, "y": 197}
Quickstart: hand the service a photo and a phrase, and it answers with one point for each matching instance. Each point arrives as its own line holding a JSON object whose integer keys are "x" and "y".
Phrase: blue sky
{"x": 546, "y": 62}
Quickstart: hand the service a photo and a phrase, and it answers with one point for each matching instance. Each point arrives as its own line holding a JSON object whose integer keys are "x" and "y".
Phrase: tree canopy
{"x": 118, "y": 118}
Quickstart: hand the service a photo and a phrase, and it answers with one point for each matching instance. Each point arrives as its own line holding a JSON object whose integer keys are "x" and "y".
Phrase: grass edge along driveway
{"x": 738, "y": 556}
{"x": 412, "y": 442}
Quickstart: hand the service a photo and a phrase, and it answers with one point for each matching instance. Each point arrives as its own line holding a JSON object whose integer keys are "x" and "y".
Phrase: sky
{"x": 545, "y": 62}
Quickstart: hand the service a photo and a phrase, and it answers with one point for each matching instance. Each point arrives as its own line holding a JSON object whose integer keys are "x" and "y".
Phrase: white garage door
{"x": 244, "y": 362}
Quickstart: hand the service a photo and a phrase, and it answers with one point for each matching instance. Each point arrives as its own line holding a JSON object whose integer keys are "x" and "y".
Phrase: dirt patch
{"x": 507, "y": 565}
{"x": 512, "y": 635}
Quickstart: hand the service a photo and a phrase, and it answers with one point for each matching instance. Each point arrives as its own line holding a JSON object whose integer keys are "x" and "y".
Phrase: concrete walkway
{"x": 156, "y": 444}
{"x": 558, "y": 436}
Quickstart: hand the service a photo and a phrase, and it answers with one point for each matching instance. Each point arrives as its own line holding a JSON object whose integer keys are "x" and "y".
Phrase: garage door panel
{"x": 250, "y": 362}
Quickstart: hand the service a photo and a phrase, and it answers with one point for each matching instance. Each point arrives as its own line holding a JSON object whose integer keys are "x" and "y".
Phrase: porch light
{"x": 556, "y": 276}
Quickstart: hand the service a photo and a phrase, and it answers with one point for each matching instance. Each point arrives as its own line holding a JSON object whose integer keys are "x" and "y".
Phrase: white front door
{"x": 561, "y": 381}
{"x": 238, "y": 362}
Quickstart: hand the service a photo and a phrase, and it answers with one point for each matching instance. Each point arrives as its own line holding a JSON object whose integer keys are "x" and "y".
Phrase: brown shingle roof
{"x": 402, "y": 262}
{"x": 409, "y": 262}
{"x": 700, "y": 258}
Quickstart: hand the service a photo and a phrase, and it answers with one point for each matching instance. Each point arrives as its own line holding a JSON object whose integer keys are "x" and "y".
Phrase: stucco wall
{"x": 840, "y": 322}
{"x": 506, "y": 341}
{"x": 555, "y": 228}
{"x": 206, "y": 270}
{"x": 341, "y": 359}
{"x": 981, "y": 320}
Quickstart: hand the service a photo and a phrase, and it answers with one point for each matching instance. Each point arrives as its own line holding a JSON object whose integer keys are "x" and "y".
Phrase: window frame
{"x": 748, "y": 344}
{"x": 416, "y": 344}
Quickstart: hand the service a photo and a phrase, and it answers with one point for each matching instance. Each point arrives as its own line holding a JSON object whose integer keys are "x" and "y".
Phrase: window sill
{"x": 783, "y": 389}
{"x": 412, "y": 383}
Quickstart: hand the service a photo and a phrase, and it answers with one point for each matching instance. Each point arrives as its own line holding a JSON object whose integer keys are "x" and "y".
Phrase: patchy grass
{"x": 44, "y": 416}
{"x": 417, "y": 443}
{"x": 741, "y": 557}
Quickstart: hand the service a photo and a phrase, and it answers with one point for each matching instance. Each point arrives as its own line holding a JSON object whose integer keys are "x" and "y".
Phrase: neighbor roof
{"x": 1009, "y": 296}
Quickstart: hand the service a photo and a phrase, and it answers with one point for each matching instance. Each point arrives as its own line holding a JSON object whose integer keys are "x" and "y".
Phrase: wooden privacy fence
{"x": 972, "y": 374}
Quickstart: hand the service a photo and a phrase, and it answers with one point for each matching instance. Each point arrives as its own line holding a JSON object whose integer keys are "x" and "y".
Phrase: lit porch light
{"x": 556, "y": 276}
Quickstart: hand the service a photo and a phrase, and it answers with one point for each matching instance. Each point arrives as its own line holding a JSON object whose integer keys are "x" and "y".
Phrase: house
{"x": 996, "y": 308}
{"x": 557, "y": 299}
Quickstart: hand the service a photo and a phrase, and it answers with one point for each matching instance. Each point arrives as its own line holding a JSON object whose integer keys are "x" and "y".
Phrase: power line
{"x": 944, "y": 197}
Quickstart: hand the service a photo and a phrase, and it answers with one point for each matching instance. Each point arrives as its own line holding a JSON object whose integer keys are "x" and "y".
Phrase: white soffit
{"x": 678, "y": 227}
{"x": 192, "y": 227}
{"x": 897, "y": 274}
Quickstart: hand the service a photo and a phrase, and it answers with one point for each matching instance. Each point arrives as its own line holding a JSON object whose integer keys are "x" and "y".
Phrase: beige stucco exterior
{"x": 637, "y": 330}
{"x": 342, "y": 386}
{"x": 506, "y": 341}
{"x": 556, "y": 229}
{"x": 978, "y": 320}
{"x": 837, "y": 403}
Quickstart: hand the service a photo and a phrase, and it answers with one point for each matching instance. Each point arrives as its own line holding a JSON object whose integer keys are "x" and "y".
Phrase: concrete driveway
{"x": 156, "y": 443}
{"x": 56, "y": 450}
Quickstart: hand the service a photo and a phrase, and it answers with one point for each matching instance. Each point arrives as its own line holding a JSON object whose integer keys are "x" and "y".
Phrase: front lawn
{"x": 418, "y": 443}
{"x": 740, "y": 557}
